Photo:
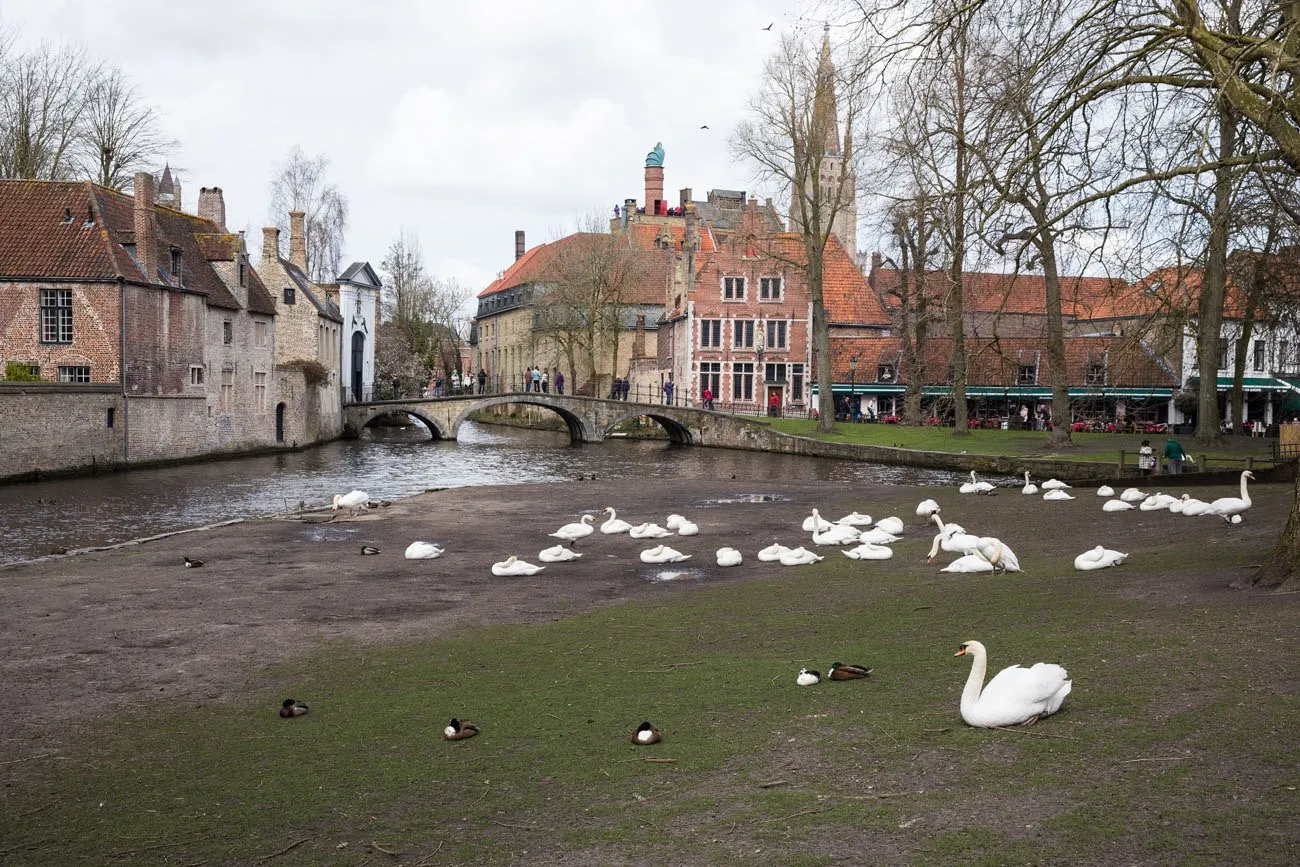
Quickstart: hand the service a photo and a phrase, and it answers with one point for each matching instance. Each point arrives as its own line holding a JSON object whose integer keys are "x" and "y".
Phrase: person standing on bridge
{"x": 546, "y": 381}
{"x": 559, "y": 381}
{"x": 482, "y": 380}
{"x": 668, "y": 392}
{"x": 626, "y": 387}
{"x": 537, "y": 379}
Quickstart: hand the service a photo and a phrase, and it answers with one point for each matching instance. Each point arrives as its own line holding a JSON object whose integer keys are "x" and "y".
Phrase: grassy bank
{"x": 1176, "y": 746}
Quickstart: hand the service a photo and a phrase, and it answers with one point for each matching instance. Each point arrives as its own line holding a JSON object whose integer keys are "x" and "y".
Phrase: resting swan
{"x": 869, "y": 551}
{"x": 1133, "y": 495}
{"x": 974, "y": 486}
{"x": 855, "y": 519}
{"x": 1105, "y": 491}
{"x": 1116, "y": 506}
{"x": 648, "y": 530}
{"x": 815, "y": 522}
{"x": 1227, "y": 507}
{"x": 772, "y": 553}
{"x": 1193, "y": 506}
{"x": 877, "y": 537}
{"x": 614, "y": 524}
{"x": 972, "y": 562}
{"x": 1030, "y": 487}
{"x": 422, "y": 551}
{"x": 578, "y": 530}
{"x": 687, "y": 528}
{"x": 1054, "y": 485}
{"x": 663, "y": 554}
{"x": 1098, "y": 558}
{"x": 673, "y": 522}
{"x": 557, "y": 554}
{"x": 836, "y": 534}
{"x": 1056, "y": 494}
{"x": 513, "y": 566}
{"x": 1015, "y": 695}
{"x": 729, "y": 557}
{"x": 1157, "y": 502}
{"x": 892, "y": 525}
{"x": 925, "y": 509}
{"x": 799, "y": 557}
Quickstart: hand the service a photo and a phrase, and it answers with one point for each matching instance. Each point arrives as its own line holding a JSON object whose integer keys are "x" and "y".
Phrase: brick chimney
{"x": 877, "y": 261}
{"x": 519, "y": 244}
{"x": 212, "y": 206}
{"x": 654, "y": 189}
{"x": 638, "y": 339}
{"x": 298, "y": 240}
{"x": 685, "y": 196}
{"x": 270, "y": 244}
{"x": 146, "y": 239}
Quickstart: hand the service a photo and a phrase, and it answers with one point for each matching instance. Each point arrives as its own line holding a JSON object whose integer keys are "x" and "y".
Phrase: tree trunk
{"x": 956, "y": 299}
{"x": 821, "y": 336}
{"x": 1282, "y": 565}
{"x": 1046, "y": 243}
{"x": 1209, "y": 310}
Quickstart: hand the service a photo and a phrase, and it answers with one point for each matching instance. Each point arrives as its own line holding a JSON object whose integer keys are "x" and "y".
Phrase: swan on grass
{"x": 1117, "y": 506}
{"x": 613, "y": 524}
{"x": 354, "y": 501}
{"x": 892, "y": 525}
{"x": 1228, "y": 507}
{"x": 578, "y": 530}
{"x": 875, "y": 536}
{"x": 557, "y": 554}
{"x": 1053, "y": 485}
{"x": 1100, "y": 557}
{"x": 663, "y": 554}
{"x": 1030, "y": 487}
{"x": 1133, "y": 495}
{"x": 1056, "y": 495}
{"x": 1105, "y": 491}
{"x": 1015, "y": 696}
{"x": 944, "y": 525}
{"x": 729, "y": 557}
{"x": 869, "y": 551}
{"x": 422, "y": 551}
{"x": 855, "y": 519}
{"x": 799, "y": 557}
{"x": 836, "y": 534}
{"x": 925, "y": 509}
{"x": 971, "y": 563}
{"x": 998, "y": 553}
{"x": 512, "y": 566}
{"x": 772, "y": 553}
{"x": 648, "y": 530}
{"x": 815, "y": 522}
{"x": 953, "y": 542}
{"x": 974, "y": 486}
{"x": 808, "y": 677}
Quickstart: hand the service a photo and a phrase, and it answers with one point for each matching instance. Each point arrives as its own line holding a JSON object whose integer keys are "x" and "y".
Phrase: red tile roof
{"x": 643, "y": 235}
{"x": 545, "y": 261}
{"x": 984, "y": 292}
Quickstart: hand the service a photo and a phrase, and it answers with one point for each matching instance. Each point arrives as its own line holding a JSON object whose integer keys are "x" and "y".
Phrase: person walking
{"x": 537, "y": 379}
{"x": 707, "y": 396}
{"x": 627, "y": 386}
{"x": 482, "y": 381}
{"x": 668, "y": 392}
{"x": 1146, "y": 458}
{"x": 1174, "y": 456}
{"x": 559, "y": 381}
{"x": 546, "y": 381}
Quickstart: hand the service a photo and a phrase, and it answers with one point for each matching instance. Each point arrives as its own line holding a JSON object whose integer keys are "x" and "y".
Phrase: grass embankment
{"x": 1098, "y": 447}
{"x": 1176, "y": 746}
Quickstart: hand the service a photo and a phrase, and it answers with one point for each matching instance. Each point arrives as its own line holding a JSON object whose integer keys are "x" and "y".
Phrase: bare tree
{"x": 300, "y": 184}
{"x": 793, "y": 139}
{"x": 43, "y": 94}
{"x": 118, "y": 134}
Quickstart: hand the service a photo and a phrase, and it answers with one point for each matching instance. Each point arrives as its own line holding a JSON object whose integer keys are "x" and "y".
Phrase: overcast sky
{"x": 459, "y": 121}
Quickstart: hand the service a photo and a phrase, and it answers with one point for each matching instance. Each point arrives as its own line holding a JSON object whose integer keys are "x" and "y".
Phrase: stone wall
{"x": 58, "y": 428}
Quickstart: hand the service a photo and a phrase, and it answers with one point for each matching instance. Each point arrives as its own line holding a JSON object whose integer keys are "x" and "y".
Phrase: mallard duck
{"x": 1015, "y": 695}
{"x": 808, "y": 677}
{"x": 663, "y": 554}
{"x": 772, "y": 553}
{"x": 729, "y": 557}
{"x": 290, "y": 708}
{"x": 799, "y": 557}
{"x": 1228, "y": 508}
{"x": 191, "y": 563}
{"x": 557, "y": 554}
{"x": 648, "y": 530}
{"x": 512, "y": 567}
{"x": 646, "y": 734}
{"x": 1098, "y": 558}
{"x": 840, "y": 671}
{"x": 459, "y": 730}
{"x": 422, "y": 551}
{"x": 355, "y": 502}
{"x": 578, "y": 530}
{"x": 614, "y": 524}
{"x": 369, "y": 550}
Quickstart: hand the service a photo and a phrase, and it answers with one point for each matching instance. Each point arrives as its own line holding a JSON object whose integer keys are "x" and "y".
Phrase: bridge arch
{"x": 678, "y": 433}
{"x": 435, "y": 429}
{"x": 579, "y": 430}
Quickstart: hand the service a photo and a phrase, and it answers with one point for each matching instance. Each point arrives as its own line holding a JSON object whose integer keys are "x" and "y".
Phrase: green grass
{"x": 1175, "y": 747}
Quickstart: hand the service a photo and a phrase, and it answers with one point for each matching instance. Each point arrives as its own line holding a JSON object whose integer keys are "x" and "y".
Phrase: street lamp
{"x": 853, "y": 384}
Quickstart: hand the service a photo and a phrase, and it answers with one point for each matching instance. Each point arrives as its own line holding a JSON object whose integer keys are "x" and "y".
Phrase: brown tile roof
{"x": 995, "y": 362}
{"x": 543, "y": 261}
{"x": 37, "y": 240}
{"x": 221, "y": 247}
{"x": 848, "y": 298}
{"x": 984, "y": 292}
{"x": 643, "y": 235}
{"x": 259, "y": 299}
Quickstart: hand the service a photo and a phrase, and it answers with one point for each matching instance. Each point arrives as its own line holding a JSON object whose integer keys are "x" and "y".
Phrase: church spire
{"x": 825, "y": 113}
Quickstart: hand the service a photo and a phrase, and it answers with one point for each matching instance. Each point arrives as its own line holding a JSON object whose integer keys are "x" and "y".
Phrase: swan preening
{"x": 869, "y": 551}
{"x": 614, "y": 524}
{"x": 925, "y": 509}
{"x": 422, "y": 551}
{"x": 557, "y": 554}
{"x": 729, "y": 557}
{"x": 573, "y": 532}
{"x": 354, "y": 501}
{"x": 998, "y": 553}
{"x": 952, "y": 539}
{"x": 974, "y": 486}
{"x": 1015, "y": 695}
{"x": 663, "y": 554}
{"x": 1030, "y": 487}
{"x": 815, "y": 522}
{"x": 1227, "y": 507}
{"x": 512, "y": 566}
{"x": 1100, "y": 557}
{"x": 673, "y": 522}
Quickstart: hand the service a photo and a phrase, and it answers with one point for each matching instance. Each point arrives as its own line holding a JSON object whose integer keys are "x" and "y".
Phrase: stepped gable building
{"x": 119, "y": 321}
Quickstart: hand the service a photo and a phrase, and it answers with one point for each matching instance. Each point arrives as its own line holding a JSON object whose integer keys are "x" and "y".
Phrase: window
{"x": 796, "y": 383}
{"x": 243, "y": 273}
{"x": 227, "y": 390}
{"x": 744, "y": 332}
{"x": 289, "y": 295}
{"x": 886, "y": 372}
{"x": 74, "y": 373}
{"x": 711, "y": 377}
{"x": 1257, "y": 363}
{"x": 776, "y": 334}
{"x": 733, "y": 288}
{"x": 710, "y": 334}
{"x": 259, "y": 391}
{"x": 1283, "y": 355}
{"x": 109, "y": 420}
{"x": 1224, "y": 345}
{"x": 1026, "y": 374}
{"x": 56, "y": 316}
{"x": 774, "y": 372}
{"x": 259, "y": 334}
{"x": 1095, "y": 374}
{"x": 176, "y": 261}
{"x": 742, "y": 381}
{"x": 196, "y": 374}
{"x": 769, "y": 289}
{"x": 227, "y": 332}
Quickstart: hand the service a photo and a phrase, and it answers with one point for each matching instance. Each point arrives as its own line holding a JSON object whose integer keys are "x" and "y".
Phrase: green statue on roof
{"x": 656, "y": 156}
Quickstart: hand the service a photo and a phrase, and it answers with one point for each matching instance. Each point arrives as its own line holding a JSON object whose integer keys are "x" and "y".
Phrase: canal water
{"x": 387, "y": 463}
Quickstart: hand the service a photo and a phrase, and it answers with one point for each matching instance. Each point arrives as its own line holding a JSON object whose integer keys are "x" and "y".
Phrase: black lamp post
{"x": 853, "y": 384}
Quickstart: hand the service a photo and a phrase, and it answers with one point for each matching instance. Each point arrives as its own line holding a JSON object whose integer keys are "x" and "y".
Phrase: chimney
{"x": 298, "y": 240}
{"x": 270, "y": 244}
{"x": 629, "y": 212}
{"x": 212, "y": 206}
{"x": 638, "y": 339}
{"x": 685, "y": 196}
{"x": 146, "y": 243}
{"x": 654, "y": 189}
{"x": 519, "y": 244}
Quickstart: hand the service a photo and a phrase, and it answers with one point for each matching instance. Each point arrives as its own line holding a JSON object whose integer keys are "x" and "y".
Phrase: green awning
{"x": 1009, "y": 392}
{"x": 1256, "y": 383}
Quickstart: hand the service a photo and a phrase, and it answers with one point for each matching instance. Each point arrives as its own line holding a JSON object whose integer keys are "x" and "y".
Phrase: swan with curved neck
{"x": 1015, "y": 695}
{"x": 1030, "y": 487}
{"x": 1226, "y": 507}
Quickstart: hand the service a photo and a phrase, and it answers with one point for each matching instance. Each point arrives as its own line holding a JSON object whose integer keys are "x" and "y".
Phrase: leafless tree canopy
{"x": 424, "y": 325}
{"x": 119, "y": 134}
{"x": 300, "y": 184}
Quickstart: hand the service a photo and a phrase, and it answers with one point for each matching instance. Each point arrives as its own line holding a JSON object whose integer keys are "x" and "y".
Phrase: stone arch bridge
{"x": 589, "y": 419}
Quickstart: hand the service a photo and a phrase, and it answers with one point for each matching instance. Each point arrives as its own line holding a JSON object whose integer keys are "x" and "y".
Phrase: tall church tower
{"x": 835, "y": 171}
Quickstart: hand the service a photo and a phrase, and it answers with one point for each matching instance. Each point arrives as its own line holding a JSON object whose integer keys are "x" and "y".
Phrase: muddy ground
{"x": 84, "y": 635}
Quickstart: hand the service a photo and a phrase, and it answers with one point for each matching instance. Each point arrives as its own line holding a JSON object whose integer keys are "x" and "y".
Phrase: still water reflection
{"x": 387, "y": 464}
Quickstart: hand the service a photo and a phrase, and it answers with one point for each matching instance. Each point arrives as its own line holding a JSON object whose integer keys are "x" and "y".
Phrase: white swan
{"x": 730, "y": 557}
{"x": 1105, "y": 491}
{"x": 799, "y": 557}
{"x": 974, "y": 486}
{"x": 869, "y": 551}
{"x": 972, "y": 562}
{"x": 1098, "y": 558}
{"x": 772, "y": 553}
{"x": 925, "y": 509}
{"x": 1056, "y": 494}
{"x": 1227, "y": 507}
{"x": 1177, "y": 505}
{"x": 673, "y": 522}
{"x": 1193, "y": 506}
{"x": 1015, "y": 695}
{"x": 944, "y": 525}
{"x": 663, "y": 554}
{"x": 998, "y": 553}
{"x": 557, "y": 554}
{"x": 953, "y": 542}
{"x": 687, "y": 528}
{"x": 815, "y": 522}
{"x": 877, "y": 537}
{"x": 1030, "y": 487}
{"x": 1133, "y": 495}
{"x": 1116, "y": 506}
{"x": 1157, "y": 502}
{"x": 648, "y": 530}
{"x": 578, "y": 530}
{"x": 1053, "y": 485}
{"x": 855, "y": 519}
{"x": 892, "y": 525}
{"x": 513, "y": 566}
{"x": 614, "y": 524}
{"x": 422, "y": 551}
{"x": 355, "y": 502}
{"x": 836, "y": 534}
